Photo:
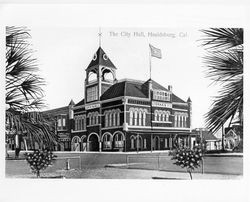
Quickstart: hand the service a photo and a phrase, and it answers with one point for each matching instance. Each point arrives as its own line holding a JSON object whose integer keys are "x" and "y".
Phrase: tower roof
{"x": 189, "y": 100}
{"x": 71, "y": 102}
{"x": 101, "y": 58}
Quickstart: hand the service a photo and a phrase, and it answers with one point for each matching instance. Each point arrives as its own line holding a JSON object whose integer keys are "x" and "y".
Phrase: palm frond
{"x": 224, "y": 66}
{"x": 224, "y": 62}
{"x": 222, "y": 38}
{"x": 226, "y": 105}
{"x": 24, "y": 93}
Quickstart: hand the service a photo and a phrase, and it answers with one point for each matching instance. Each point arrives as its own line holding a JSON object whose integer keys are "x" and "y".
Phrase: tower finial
{"x": 100, "y": 36}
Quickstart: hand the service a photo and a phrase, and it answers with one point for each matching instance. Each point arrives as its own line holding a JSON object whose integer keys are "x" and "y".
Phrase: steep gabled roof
{"x": 80, "y": 103}
{"x": 100, "y": 56}
{"x": 72, "y": 102}
{"x": 177, "y": 99}
{"x": 207, "y": 135}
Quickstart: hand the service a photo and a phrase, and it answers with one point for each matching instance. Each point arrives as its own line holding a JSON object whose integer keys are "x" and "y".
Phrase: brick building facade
{"x": 126, "y": 115}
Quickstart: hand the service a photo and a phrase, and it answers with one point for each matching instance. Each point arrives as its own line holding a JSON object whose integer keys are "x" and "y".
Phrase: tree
{"x": 40, "y": 160}
{"x": 187, "y": 158}
{"x": 24, "y": 94}
{"x": 224, "y": 62}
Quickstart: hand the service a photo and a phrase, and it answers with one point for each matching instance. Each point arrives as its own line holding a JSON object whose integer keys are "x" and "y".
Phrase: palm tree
{"x": 224, "y": 62}
{"x": 23, "y": 92}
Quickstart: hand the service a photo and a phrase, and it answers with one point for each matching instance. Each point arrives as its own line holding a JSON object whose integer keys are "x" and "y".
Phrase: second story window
{"x": 180, "y": 120}
{"x": 61, "y": 122}
{"x": 93, "y": 118}
{"x": 112, "y": 117}
{"x": 80, "y": 122}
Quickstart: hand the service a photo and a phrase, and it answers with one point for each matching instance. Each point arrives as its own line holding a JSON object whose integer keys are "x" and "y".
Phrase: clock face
{"x": 105, "y": 57}
{"x": 95, "y": 57}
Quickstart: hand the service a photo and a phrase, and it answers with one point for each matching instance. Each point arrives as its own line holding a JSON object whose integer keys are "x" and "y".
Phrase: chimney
{"x": 170, "y": 88}
{"x": 150, "y": 88}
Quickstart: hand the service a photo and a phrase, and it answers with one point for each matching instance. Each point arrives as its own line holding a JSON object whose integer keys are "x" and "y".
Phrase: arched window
{"x": 160, "y": 116}
{"x": 145, "y": 144}
{"x": 144, "y": 118}
{"x": 106, "y": 119}
{"x": 135, "y": 118}
{"x": 175, "y": 120}
{"x": 132, "y": 142}
{"x": 179, "y": 121}
{"x": 96, "y": 118}
{"x": 93, "y": 119}
{"x": 110, "y": 118}
{"x": 89, "y": 116}
{"x": 118, "y": 117}
{"x": 140, "y": 117}
{"x": 131, "y": 113}
{"x": 107, "y": 141}
{"x": 84, "y": 122}
{"x": 156, "y": 115}
{"x": 167, "y": 116}
{"x": 118, "y": 140}
{"x": 139, "y": 142}
{"x": 75, "y": 118}
{"x": 114, "y": 117}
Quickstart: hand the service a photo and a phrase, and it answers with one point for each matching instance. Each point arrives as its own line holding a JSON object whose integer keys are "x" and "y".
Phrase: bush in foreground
{"x": 40, "y": 160}
{"x": 187, "y": 158}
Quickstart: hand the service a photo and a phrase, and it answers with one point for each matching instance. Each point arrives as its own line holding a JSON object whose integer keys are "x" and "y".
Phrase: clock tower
{"x": 100, "y": 75}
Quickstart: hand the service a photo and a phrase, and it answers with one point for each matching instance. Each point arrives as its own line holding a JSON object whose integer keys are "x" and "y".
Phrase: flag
{"x": 155, "y": 52}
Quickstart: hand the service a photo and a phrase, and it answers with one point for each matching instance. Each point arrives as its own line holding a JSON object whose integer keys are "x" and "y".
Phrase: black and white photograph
{"x": 149, "y": 104}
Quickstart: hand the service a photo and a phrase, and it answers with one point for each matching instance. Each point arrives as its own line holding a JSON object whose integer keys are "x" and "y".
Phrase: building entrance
{"x": 93, "y": 142}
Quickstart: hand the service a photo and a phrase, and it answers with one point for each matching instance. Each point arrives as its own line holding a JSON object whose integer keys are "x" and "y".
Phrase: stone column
{"x": 100, "y": 146}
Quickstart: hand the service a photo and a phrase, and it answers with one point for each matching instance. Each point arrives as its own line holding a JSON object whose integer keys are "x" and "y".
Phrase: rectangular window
{"x": 140, "y": 117}
{"x": 170, "y": 143}
{"x": 64, "y": 122}
{"x": 132, "y": 143}
{"x": 131, "y": 118}
{"x": 144, "y": 118}
{"x": 166, "y": 142}
{"x": 135, "y": 118}
{"x": 76, "y": 123}
{"x": 83, "y": 125}
{"x": 114, "y": 120}
{"x": 110, "y": 119}
{"x": 106, "y": 120}
{"x": 118, "y": 118}
{"x": 61, "y": 122}
{"x": 145, "y": 144}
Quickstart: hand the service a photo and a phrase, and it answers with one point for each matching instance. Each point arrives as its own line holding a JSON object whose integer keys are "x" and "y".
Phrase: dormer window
{"x": 161, "y": 95}
{"x": 105, "y": 57}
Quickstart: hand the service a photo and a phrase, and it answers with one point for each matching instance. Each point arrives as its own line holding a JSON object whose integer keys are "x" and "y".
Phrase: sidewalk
{"x": 119, "y": 173}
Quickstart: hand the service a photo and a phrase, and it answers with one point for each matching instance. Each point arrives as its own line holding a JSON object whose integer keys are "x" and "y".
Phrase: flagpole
{"x": 150, "y": 96}
{"x": 150, "y": 63}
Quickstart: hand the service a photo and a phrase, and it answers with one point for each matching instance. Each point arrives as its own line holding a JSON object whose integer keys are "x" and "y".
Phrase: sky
{"x": 63, "y": 54}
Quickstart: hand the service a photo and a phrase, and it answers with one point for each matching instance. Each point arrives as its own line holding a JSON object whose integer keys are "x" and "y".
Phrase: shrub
{"x": 40, "y": 160}
{"x": 187, "y": 158}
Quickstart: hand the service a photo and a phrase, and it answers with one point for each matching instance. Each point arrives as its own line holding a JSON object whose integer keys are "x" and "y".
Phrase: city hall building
{"x": 125, "y": 115}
